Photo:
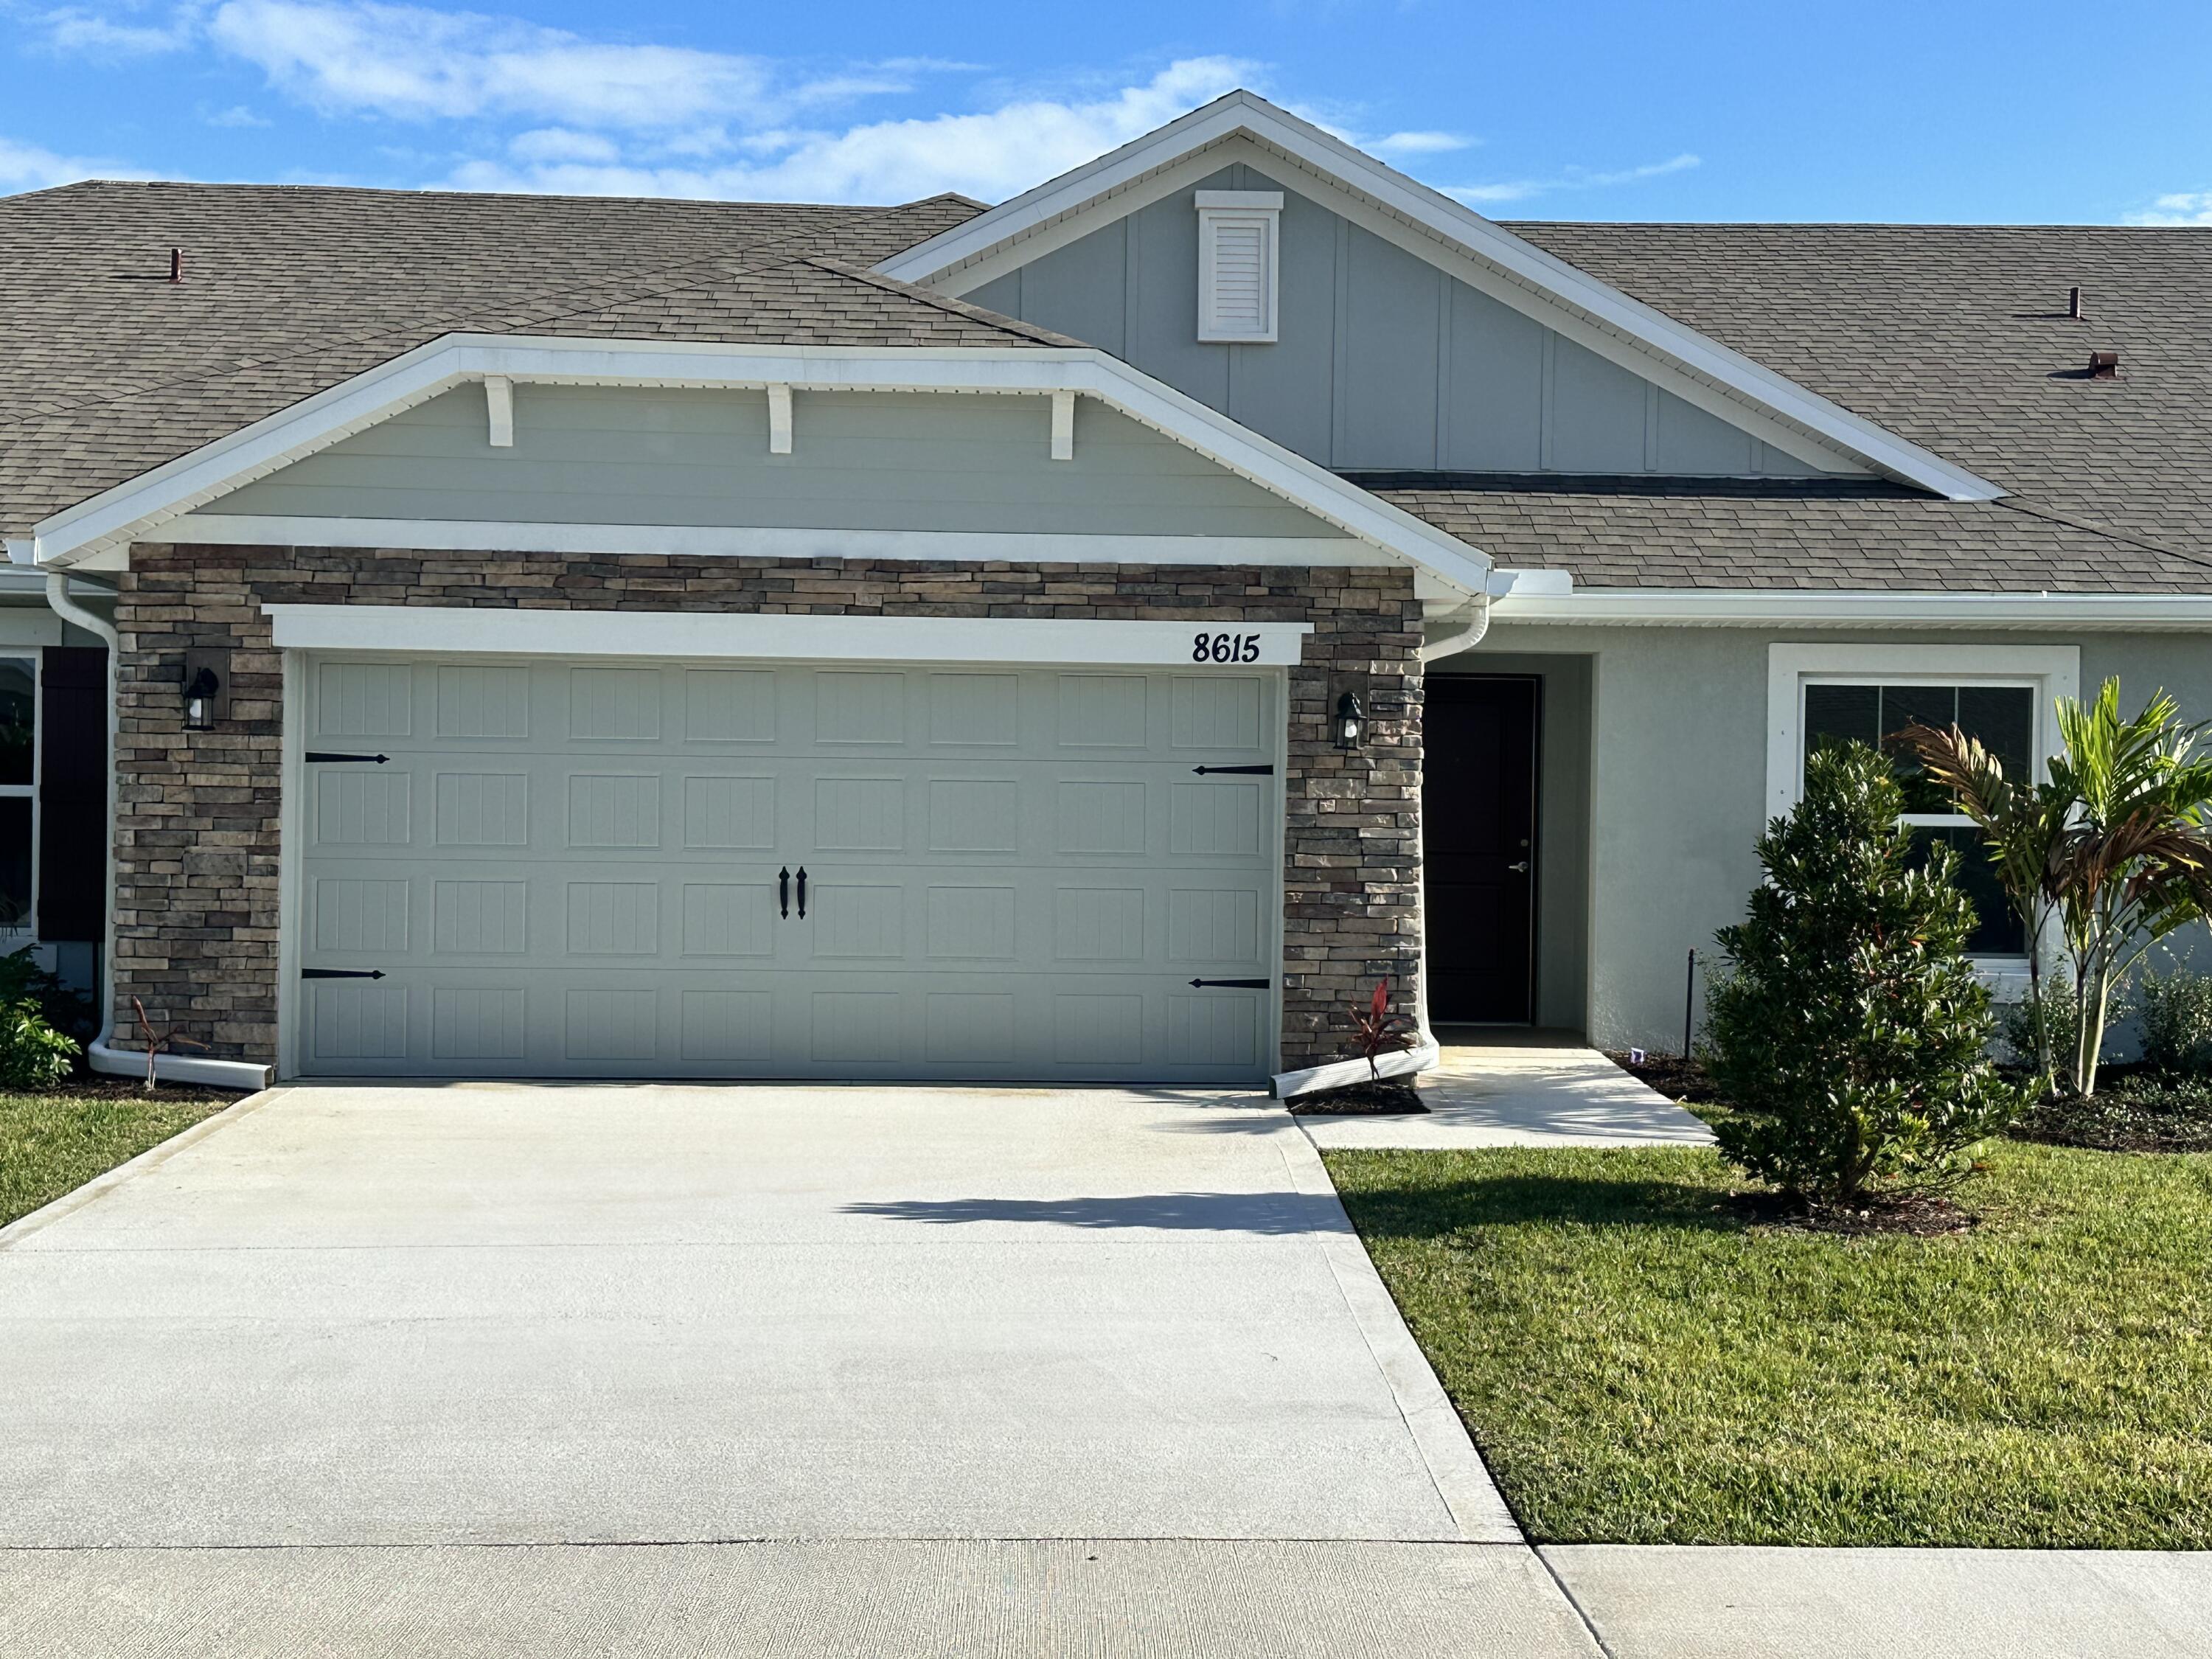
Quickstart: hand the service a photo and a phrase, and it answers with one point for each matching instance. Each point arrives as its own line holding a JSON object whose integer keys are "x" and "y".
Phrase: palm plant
{"x": 2116, "y": 845}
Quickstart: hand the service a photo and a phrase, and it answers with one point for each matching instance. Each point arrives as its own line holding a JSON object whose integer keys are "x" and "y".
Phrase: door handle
{"x": 1523, "y": 866}
{"x": 802, "y": 892}
{"x": 783, "y": 891}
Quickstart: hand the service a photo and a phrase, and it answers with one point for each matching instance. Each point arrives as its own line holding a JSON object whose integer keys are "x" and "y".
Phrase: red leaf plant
{"x": 1378, "y": 1029}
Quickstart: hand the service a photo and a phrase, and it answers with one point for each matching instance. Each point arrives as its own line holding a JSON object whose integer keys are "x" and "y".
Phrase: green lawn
{"x": 50, "y": 1144}
{"x": 1639, "y": 1368}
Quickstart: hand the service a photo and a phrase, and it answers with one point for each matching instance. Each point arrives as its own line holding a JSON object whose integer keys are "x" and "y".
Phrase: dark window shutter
{"x": 73, "y": 793}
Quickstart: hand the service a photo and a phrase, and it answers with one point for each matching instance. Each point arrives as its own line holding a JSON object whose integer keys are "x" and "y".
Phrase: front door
{"x": 1478, "y": 838}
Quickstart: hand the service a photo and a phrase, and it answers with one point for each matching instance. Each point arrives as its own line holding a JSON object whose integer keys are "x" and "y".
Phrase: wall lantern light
{"x": 199, "y": 700}
{"x": 1351, "y": 722}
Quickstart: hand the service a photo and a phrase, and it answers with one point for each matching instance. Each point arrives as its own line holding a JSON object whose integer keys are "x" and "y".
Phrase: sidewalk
{"x": 1520, "y": 1089}
{"x": 1657, "y": 1603}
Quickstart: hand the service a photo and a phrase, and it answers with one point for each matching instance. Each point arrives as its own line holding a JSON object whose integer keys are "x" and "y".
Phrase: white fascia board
{"x": 1244, "y": 113}
{"x": 130, "y": 509}
{"x": 1791, "y": 608}
{"x": 716, "y": 541}
{"x": 776, "y": 636}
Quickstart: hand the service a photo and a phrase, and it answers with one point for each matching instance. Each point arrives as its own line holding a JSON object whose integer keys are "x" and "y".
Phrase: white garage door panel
{"x": 591, "y": 870}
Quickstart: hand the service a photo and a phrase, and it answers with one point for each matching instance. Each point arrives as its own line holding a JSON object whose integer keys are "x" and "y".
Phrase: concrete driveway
{"x": 609, "y": 1318}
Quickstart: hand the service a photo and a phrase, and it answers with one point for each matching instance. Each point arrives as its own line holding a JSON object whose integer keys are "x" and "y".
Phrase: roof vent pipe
{"x": 176, "y": 264}
{"x": 2073, "y": 303}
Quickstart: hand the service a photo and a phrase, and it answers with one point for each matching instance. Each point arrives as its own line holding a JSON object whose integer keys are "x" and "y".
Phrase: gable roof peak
{"x": 1449, "y": 233}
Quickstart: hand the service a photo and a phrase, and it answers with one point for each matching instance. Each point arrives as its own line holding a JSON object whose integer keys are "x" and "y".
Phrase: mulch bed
{"x": 1915, "y": 1215}
{"x": 101, "y": 1085}
{"x": 1672, "y": 1075}
{"x": 1390, "y": 1097}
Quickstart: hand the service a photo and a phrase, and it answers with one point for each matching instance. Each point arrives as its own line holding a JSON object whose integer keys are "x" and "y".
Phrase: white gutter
{"x": 103, "y": 1056}
{"x": 1801, "y": 608}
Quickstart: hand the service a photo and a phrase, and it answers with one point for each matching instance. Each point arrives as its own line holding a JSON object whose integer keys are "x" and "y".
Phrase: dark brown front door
{"x": 1477, "y": 839}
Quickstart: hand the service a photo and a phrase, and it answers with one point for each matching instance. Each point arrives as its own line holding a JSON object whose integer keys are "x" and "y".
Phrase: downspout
{"x": 102, "y": 1055}
{"x": 1460, "y": 629}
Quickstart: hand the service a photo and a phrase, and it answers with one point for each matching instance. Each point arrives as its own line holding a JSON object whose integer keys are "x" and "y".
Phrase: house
{"x": 1093, "y": 638}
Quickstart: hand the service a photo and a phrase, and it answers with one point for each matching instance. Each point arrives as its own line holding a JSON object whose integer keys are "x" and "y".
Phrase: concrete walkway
{"x": 514, "y": 1369}
{"x": 1659, "y": 1603}
{"x": 1527, "y": 1092}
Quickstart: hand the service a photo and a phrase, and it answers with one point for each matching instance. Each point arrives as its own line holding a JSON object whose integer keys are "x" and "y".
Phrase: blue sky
{"x": 1927, "y": 111}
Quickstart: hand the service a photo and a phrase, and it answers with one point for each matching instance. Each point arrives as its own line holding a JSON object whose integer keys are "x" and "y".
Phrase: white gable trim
{"x": 98, "y": 531}
{"x": 1032, "y": 224}
{"x": 737, "y": 541}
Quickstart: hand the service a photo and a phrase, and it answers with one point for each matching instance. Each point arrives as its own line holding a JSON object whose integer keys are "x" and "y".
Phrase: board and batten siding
{"x": 858, "y": 461}
{"x": 1383, "y": 362}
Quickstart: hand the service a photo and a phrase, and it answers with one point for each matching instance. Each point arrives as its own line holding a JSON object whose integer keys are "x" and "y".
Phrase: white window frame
{"x": 13, "y": 938}
{"x": 1218, "y": 208}
{"x": 2051, "y": 672}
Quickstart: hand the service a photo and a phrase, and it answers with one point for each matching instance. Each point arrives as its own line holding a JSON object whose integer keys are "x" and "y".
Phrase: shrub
{"x": 70, "y": 1011}
{"x": 2176, "y": 1013}
{"x": 2061, "y": 1014}
{"x": 1849, "y": 1031}
{"x": 33, "y": 1054}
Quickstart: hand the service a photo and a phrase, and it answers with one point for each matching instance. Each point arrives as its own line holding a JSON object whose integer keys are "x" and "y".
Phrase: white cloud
{"x": 236, "y": 116}
{"x": 417, "y": 63}
{"x": 1417, "y": 144}
{"x": 80, "y": 29}
{"x": 992, "y": 154}
{"x": 1521, "y": 190}
{"x": 27, "y": 167}
{"x": 2183, "y": 207}
{"x": 556, "y": 144}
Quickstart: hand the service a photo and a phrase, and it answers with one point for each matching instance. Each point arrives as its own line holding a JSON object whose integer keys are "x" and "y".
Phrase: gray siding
{"x": 1383, "y": 362}
{"x": 858, "y": 461}
{"x": 1676, "y": 776}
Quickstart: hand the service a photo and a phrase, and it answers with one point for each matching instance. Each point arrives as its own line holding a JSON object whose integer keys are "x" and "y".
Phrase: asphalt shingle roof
{"x": 106, "y": 368}
{"x": 1955, "y": 337}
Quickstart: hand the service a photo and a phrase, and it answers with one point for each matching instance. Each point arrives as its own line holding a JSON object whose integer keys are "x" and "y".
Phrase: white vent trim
{"x": 1239, "y": 264}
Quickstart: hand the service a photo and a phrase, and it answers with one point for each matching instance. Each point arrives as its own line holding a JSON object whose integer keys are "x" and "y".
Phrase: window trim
{"x": 2052, "y": 672}
{"x": 1216, "y": 208}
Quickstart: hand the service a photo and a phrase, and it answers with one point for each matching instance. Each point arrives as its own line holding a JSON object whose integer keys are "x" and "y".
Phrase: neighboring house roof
{"x": 108, "y": 369}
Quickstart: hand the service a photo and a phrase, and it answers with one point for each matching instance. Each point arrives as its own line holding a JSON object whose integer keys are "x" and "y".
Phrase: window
{"x": 1819, "y": 695}
{"x": 1237, "y": 261}
{"x": 19, "y": 727}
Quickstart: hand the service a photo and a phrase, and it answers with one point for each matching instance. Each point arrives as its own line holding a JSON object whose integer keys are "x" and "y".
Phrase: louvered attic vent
{"x": 1237, "y": 257}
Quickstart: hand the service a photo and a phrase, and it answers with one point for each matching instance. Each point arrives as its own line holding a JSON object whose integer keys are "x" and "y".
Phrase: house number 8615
{"x": 1224, "y": 647}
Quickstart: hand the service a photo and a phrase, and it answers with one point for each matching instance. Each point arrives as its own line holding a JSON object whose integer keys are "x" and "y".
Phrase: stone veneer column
{"x": 197, "y": 812}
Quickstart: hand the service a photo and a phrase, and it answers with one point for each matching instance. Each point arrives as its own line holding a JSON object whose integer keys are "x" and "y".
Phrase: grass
{"x": 1639, "y": 1366}
{"x": 53, "y": 1143}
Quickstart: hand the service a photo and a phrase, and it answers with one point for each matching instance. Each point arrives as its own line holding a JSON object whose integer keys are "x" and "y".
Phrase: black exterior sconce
{"x": 1351, "y": 723}
{"x": 207, "y": 699}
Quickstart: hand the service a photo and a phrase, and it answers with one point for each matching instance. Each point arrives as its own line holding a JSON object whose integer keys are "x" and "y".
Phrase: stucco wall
{"x": 1678, "y": 776}
{"x": 197, "y": 831}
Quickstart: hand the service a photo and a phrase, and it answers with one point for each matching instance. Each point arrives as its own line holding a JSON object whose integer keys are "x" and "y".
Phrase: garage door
{"x": 615, "y": 868}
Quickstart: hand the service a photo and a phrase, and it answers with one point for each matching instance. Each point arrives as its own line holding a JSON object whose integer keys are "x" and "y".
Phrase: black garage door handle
{"x": 802, "y": 892}
{"x": 783, "y": 892}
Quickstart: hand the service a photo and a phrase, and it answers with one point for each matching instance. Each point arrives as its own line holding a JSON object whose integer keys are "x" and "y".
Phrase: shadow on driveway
{"x": 1273, "y": 1214}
